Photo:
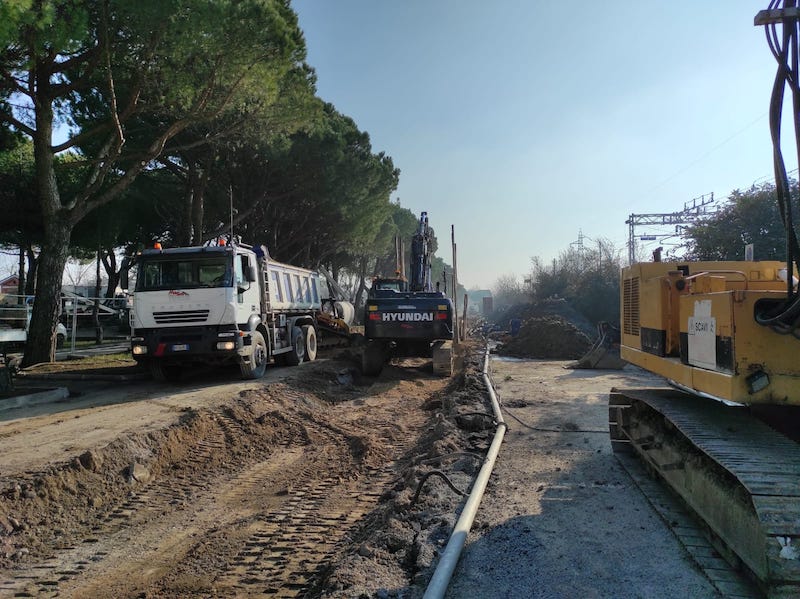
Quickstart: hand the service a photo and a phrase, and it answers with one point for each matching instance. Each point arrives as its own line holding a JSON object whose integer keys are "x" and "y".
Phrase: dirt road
{"x": 565, "y": 516}
{"x": 314, "y": 482}
{"x": 225, "y": 488}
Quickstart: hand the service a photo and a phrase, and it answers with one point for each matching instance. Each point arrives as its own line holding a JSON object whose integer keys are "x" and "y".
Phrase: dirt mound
{"x": 551, "y": 329}
{"x": 550, "y": 337}
{"x": 549, "y": 307}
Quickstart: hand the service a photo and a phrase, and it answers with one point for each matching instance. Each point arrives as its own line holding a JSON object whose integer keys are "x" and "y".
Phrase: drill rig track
{"x": 738, "y": 475}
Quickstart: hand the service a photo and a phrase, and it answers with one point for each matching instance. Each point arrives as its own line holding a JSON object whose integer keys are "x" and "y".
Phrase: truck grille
{"x": 181, "y": 316}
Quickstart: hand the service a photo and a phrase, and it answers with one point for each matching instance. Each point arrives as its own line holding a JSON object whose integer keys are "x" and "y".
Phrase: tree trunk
{"x": 40, "y": 346}
{"x": 33, "y": 265}
{"x": 197, "y": 217}
{"x": 185, "y": 224}
{"x": 200, "y": 184}
{"x": 362, "y": 282}
{"x": 110, "y": 265}
{"x": 21, "y": 275}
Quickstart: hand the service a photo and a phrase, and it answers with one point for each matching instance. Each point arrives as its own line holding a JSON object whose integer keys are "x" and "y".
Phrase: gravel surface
{"x": 560, "y": 517}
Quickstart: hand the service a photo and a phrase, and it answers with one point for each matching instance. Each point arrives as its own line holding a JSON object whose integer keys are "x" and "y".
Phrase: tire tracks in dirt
{"x": 273, "y": 488}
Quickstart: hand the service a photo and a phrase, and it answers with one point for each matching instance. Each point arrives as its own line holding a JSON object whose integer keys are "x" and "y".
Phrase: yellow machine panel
{"x": 694, "y": 323}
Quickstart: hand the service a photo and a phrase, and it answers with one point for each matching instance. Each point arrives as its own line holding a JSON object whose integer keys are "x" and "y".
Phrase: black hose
{"x": 440, "y": 474}
{"x": 553, "y": 430}
{"x": 786, "y": 50}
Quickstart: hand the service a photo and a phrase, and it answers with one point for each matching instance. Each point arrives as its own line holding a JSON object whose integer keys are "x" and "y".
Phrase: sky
{"x": 525, "y": 124}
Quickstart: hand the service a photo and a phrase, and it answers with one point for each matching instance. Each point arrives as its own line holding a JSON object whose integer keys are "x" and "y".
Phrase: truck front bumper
{"x": 209, "y": 344}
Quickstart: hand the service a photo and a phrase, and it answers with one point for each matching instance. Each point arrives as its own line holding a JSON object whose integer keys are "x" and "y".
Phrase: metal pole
{"x": 456, "y": 334}
{"x": 74, "y": 322}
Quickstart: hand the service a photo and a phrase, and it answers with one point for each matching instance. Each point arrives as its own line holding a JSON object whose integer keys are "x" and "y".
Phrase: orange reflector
{"x": 441, "y": 307}
{"x": 156, "y": 246}
{"x": 372, "y": 308}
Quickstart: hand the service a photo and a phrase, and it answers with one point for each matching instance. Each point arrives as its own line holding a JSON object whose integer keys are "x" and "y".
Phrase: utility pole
{"x": 580, "y": 248}
{"x": 693, "y": 211}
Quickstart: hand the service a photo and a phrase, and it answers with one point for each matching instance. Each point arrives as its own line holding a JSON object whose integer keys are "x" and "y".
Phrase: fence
{"x": 77, "y": 312}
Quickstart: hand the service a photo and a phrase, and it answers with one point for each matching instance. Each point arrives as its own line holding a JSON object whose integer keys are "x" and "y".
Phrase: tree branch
{"x": 16, "y": 123}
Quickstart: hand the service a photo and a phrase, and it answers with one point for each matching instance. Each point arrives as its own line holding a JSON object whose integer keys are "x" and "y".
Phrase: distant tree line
{"x": 124, "y": 123}
{"x": 750, "y": 216}
{"x": 588, "y": 278}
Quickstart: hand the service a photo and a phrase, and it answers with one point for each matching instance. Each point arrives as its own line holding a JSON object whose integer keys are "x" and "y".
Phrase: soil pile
{"x": 551, "y": 330}
{"x": 547, "y": 337}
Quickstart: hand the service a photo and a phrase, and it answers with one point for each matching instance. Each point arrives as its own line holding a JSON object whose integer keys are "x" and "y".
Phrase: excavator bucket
{"x": 604, "y": 353}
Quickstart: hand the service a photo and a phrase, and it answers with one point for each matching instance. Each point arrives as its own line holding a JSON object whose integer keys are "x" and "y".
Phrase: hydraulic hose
{"x": 785, "y": 47}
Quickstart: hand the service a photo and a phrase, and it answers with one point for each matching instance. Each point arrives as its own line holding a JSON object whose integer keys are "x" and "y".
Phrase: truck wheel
{"x": 310, "y": 336}
{"x": 161, "y": 372}
{"x": 372, "y": 358}
{"x": 294, "y": 357}
{"x": 256, "y": 366}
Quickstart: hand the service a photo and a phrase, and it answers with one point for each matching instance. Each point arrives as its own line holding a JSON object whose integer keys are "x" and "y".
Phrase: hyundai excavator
{"x": 409, "y": 318}
{"x": 726, "y": 335}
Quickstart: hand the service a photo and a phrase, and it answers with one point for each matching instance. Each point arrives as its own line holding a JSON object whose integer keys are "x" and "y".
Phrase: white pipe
{"x": 449, "y": 558}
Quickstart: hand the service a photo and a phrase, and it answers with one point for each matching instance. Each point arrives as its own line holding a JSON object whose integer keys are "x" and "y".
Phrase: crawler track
{"x": 737, "y": 474}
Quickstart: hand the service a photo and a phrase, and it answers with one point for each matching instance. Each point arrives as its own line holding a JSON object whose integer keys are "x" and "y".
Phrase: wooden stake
{"x": 456, "y": 332}
{"x": 464, "y": 319}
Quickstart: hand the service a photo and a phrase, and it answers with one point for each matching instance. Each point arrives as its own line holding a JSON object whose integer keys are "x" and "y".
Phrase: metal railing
{"x": 16, "y": 311}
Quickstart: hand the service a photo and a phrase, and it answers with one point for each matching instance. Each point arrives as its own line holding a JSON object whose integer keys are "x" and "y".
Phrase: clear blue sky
{"x": 524, "y": 122}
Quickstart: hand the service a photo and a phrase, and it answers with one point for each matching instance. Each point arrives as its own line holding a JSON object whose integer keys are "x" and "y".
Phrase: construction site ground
{"x": 311, "y": 482}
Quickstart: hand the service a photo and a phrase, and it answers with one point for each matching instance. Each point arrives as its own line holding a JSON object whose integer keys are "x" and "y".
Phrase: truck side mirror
{"x": 250, "y": 273}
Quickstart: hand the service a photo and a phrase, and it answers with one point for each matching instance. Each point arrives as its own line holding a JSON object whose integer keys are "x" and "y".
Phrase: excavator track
{"x": 738, "y": 475}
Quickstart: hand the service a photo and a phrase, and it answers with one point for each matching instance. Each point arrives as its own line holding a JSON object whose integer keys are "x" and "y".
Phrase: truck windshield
{"x": 184, "y": 272}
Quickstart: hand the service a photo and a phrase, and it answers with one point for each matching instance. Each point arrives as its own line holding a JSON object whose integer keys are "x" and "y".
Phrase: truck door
{"x": 246, "y": 292}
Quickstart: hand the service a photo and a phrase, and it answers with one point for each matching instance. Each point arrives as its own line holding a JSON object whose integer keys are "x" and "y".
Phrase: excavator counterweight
{"x": 408, "y": 319}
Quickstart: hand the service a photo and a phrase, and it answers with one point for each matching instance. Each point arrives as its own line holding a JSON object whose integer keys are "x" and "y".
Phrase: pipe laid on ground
{"x": 449, "y": 558}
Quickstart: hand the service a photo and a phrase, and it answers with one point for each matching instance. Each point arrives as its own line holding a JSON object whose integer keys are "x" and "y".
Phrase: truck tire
{"x": 256, "y": 366}
{"x": 372, "y": 358}
{"x": 294, "y": 357}
{"x": 310, "y": 336}
{"x": 162, "y": 372}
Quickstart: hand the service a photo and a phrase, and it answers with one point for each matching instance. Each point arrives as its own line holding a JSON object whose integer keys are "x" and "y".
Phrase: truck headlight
{"x": 139, "y": 350}
{"x": 226, "y": 341}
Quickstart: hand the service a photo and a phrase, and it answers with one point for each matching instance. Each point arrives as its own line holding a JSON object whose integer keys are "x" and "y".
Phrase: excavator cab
{"x": 390, "y": 285}
{"x": 398, "y": 285}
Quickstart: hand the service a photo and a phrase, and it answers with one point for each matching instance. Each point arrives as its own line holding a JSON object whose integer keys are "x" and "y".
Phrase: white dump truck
{"x": 222, "y": 304}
